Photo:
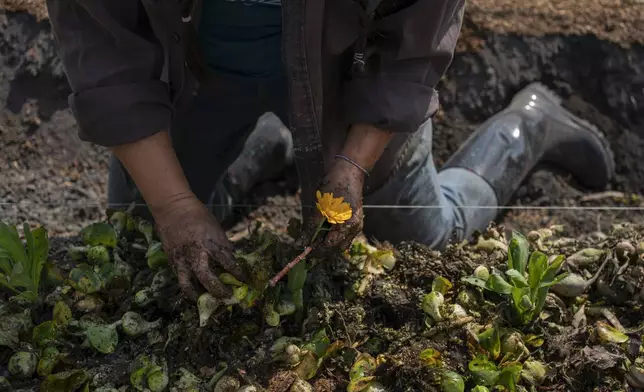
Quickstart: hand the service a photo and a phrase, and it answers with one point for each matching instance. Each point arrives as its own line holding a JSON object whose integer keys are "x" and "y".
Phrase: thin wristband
{"x": 354, "y": 163}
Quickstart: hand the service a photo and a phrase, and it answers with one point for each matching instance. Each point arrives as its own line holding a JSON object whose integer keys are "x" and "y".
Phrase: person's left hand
{"x": 347, "y": 181}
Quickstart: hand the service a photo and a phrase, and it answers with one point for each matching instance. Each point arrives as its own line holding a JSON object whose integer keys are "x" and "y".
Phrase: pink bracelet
{"x": 354, "y": 163}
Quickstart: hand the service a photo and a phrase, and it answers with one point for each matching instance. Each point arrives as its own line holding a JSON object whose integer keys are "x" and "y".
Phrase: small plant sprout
{"x": 335, "y": 211}
{"x": 21, "y": 266}
{"x": 433, "y": 302}
{"x": 529, "y": 278}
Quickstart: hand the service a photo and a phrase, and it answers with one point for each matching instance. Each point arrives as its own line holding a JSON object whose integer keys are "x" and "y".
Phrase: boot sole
{"x": 555, "y": 99}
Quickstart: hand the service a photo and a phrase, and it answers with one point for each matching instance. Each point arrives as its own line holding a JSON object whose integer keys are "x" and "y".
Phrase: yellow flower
{"x": 334, "y": 209}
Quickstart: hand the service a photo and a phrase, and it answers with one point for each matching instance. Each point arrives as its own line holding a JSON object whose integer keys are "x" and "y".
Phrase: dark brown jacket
{"x": 126, "y": 63}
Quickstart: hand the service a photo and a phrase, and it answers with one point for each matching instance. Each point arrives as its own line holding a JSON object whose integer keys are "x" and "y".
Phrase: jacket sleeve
{"x": 114, "y": 64}
{"x": 408, "y": 52}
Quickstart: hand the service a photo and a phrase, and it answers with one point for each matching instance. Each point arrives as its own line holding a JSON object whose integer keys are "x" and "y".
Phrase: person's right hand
{"x": 197, "y": 247}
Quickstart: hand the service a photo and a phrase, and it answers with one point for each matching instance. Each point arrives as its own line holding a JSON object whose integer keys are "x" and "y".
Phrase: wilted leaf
{"x": 497, "y": 284}
{"x": 430, "y": 357}
{"x": 601, "y": 358}
{"x": 99, "y": 233}
{"x": 533, "y": 340}
{"x": 360, "y": 384}
{"x": 441, "y": 284}
{"x": 62, "y": 315}
{"x": 609, "y": 334}
{"x": 363, "y": 366}
{"x": 103, "y": 338}
{"x": 518, "y": 252}
{"x": 307, "y": 367}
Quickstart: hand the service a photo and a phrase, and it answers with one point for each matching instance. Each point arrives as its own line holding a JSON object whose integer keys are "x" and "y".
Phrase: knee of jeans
{"x": 433, "y": 227}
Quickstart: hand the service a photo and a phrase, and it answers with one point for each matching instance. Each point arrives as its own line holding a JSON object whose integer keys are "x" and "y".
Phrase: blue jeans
{"x": 420, "y": 204}
{"x": 415, "y": 203}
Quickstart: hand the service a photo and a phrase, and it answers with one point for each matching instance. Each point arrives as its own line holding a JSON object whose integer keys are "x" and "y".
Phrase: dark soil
{"x": 50, "y": 177}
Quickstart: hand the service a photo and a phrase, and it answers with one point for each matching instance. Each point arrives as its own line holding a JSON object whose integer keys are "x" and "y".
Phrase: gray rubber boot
{"x": 535, "y": 128}
{"x": 266, "y": 153}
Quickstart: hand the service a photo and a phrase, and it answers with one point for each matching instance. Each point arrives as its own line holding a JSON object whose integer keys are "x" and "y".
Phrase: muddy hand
{"x": 347, "y": 181}
{"x": 197, "y": 247}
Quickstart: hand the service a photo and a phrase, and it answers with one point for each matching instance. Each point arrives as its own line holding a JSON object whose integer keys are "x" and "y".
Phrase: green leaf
{"x": 103, "y": 338}
{"x": 510, "y": 376}
{"x": 483, "y": 371}
{"x": 556, "y": 280}
{"x": 517, "y": 278}
{"x": 70, "y": 380}
{"x": 497, "y": 284}
{"x": 62, "y": 315}
{"x": 552, "y": 269}
{"x": 100, "y": 233}
{"x": 5, "y": 262}
{"x": 319, "y": 343}
{"x": 11, "y": 244}
{"x": 518, "y": 252}
{"x": 490, "y": 340}
{"x": 518, "y": 295}
{"x": 39, "y": 255}
{"x": 452, "y": 382}
{"x": 44, "y": 334}
{"x": 156, "y": 257}
{"x": 297, "y": 276}
{"x": 474, "y": 281}
{"x": 536, "y": 268}
{"x": 20, "y": 277}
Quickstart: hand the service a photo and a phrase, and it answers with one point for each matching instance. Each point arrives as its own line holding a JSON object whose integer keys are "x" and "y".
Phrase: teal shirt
{"x": 242, "y": 37}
